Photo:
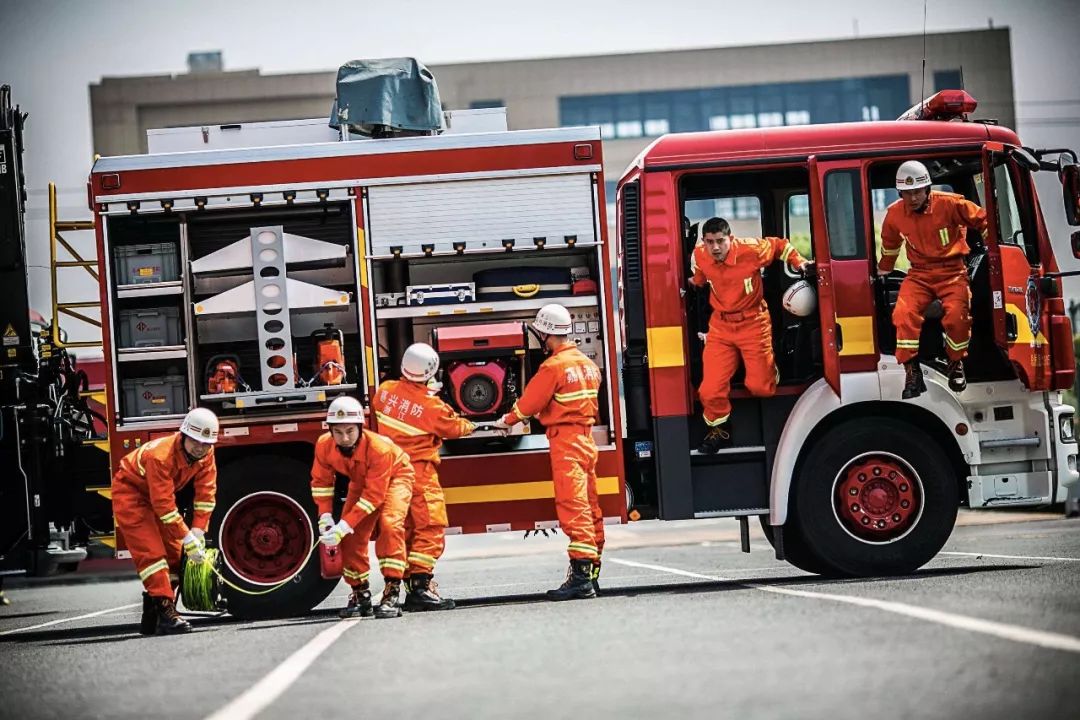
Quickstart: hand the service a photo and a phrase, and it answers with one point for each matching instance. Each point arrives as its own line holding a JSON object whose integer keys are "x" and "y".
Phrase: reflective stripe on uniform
{"x": 401, "y": 427}
{"x": 717, "y": 421}
{"x": 153, "y": 568}
{"x": 957, "y": 345}
{"x": 205, "y": 506}
{"x": 888, "y": 251}
{"x": 138, "y": 460}
{"x": 392, "y": 563}
{"x": 322, "y": 492}
{"x": 421, "y": 558}
{"x": 584, "y": 548}
{"x": 171, "y": 517}
{"x": 365, "y": 506}
{"x": 908, "y": 344}
{"x": 577, "y": 395}
{"x": 353, "y": 575}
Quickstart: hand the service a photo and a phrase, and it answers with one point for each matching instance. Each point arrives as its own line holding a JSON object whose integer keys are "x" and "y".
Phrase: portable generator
{"x": 484, "y": 366}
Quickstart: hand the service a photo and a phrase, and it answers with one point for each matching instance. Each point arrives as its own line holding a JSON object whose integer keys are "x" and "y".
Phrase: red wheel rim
{"x": 265, "y": 538}
{"x": 878, "y": 498}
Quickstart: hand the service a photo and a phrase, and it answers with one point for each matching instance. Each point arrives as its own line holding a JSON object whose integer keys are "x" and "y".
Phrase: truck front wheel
{"x": 874, "y": 496}
{"x": 264, "y": 526}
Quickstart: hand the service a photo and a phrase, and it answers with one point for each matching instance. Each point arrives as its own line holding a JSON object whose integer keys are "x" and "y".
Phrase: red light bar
{"x": 943, "y": 105}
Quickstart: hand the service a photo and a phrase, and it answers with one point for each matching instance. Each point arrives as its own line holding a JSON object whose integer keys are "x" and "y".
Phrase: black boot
{"x": 423, "y": 595}
{"x": 914, "y": 385}
{"x": 359, "y": 604}
{"x": 388, "y": 607}
{"x": 718, "y": 437}
{"x": 957, "y": 378}
{"x": 578, "y": 585}
{"x": 148, "y": 623}
{"x": 596, "y": 576}
{"x": 169, "y": 621}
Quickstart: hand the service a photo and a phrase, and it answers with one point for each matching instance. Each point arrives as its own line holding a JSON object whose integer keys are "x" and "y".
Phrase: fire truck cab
{"x": 846, "y": 477}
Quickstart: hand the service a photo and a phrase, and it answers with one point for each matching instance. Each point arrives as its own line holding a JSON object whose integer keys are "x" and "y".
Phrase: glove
{"x": 501, "y": 427}
{"x": 326, "y": 521}
{"x": 199, "y": 533}
{"x": 194, "y": 547}
{"x": 808, "y": 269}
{"x": 333, "y": 536}
{"x": 434, "y": 386}
{"x": 701, "y": 336}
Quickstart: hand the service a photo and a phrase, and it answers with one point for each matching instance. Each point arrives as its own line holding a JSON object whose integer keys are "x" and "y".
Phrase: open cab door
{"x": 1018, "y": 303}
{"x": 819, "y": 229}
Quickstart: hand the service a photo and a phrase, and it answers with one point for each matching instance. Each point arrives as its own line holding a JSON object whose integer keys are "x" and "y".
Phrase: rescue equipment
{"x": 201, "y": 583}
{"x": 800, "y": 299}
{"x": 329, "y": 356}
{"x": 484, "y": 366}
{"x": 223, "y": 376}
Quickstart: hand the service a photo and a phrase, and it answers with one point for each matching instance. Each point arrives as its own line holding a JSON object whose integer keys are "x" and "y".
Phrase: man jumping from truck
{"x": 562, "y": 395}
{"x": 380, "y": 488}
{"x": 740, "y": 324}
{"x": 144, "y": 503}
{"x": 934, "y": 226}
{"x": 417, "y": 421}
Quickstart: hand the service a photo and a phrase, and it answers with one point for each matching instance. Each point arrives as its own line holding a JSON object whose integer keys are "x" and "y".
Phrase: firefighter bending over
{"x": 740, "y": 324}
{"x": 934, "y": 226}
{"x": 563, "y": 396}
{"x": 144, "y": 503}
{"x": 409, "y": 414}
{"x": 380, "y": 488}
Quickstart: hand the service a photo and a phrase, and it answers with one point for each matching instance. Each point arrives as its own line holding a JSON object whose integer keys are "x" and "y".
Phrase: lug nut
{"x": 853, "y": 491}
{"x": 903, "y": 487}
{"x": 881, "y": 523}
{"x": 896, "y": 517}
{"x": 877, "y": 471}
{"x": 865, "y": 520}
{"x": 892, "y": 474}
{"x": 855, "y": 507}
{"x": 905, "y": 504}
{"x": 862, "y": 477}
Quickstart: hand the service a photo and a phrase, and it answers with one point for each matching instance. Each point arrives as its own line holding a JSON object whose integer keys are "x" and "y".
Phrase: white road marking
{"x": 278, "y": 680}
{"x": 1016, "y": 633}
{"x": 1011, "y": 557}
{"x": 70, "y": 619}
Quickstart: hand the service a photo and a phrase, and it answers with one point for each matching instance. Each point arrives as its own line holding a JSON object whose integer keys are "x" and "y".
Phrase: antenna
{"x": 922, "y": 92}
{"x": 962, "y": 77}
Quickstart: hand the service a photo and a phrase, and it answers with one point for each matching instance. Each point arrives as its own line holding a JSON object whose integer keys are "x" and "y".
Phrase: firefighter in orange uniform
{"x": 934, "y": 226}
{"x": 144, "y": 503}
{"x": 740, "y": 324}
{"x": 562, "y": 395}
{"x": 409, "y": 414}
{"x": 380, "y": 488}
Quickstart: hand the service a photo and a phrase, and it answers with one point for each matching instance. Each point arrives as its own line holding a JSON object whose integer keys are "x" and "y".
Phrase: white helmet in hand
{"x": 800, "y": 299}
{"x": 912, "y": 175}
{"x": 201, "y": 424}
{"x": 553, "y": 319}
{"x": 419, "y": 363}
{"x": 345, "y": 410}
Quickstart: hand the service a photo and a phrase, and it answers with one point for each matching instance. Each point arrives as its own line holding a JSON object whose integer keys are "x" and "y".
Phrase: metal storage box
{"x": 149, "y": 263}
{"x": 147, "y": 397}
{"x": 149, "y": 327}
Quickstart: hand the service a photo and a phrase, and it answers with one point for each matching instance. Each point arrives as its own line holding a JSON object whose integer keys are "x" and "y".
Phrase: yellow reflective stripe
{"x": 421, "y": 557}
{"x": 153, "y": 568}
{"x": 401, "y": 427}
{"x": 887, "y": 251}
{"x": 787, "y": 252}
{"x": 353, "y": 575}
{"x": 138, "y": 461}
{"x": 577, "y": 395}
{"x": 717, "y": 421}
{"x": 583, "y": 547}
{"x": 943, "y": 233}
{"x": 205, "y": 506}
{"x": 365, "y": 506}
{"x": 907, "y": 343}
{"x": 392, "y": 563}
{"x": 170, "y": 517}
{"x": 322, "y": 492}
{"x": 956, "y": 345}
{"x": 517, "y": 413}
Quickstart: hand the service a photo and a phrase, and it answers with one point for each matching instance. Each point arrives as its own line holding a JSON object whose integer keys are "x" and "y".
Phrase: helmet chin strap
{"x": 540, "y": 338}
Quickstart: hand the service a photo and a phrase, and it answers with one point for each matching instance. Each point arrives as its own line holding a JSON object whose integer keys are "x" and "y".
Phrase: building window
{"x": 948, "y": 80}
{"x": 480, "y": 104}
{"x": 797, "y": 117}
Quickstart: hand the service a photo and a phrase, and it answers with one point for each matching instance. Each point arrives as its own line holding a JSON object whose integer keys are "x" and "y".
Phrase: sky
{"x": 52, "y": 50}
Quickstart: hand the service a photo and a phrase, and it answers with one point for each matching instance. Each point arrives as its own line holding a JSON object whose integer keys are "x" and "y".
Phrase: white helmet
{"x": 345, "y": 410}
{"x": 420, "y": 362}
{"x": 553, "y": 319}
{"x": 800, "y": 299}
{"x": 202, "y": 425}
{"x": 912, "y": 175}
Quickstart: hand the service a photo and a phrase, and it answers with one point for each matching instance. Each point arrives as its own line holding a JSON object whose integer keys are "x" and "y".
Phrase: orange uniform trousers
{"x": 390, "y": 543}
{"x": 577, "y": 504}
{"x": 425, "y": 526}
{"x": 947, "y": 282}
{"x": 749, "y": 335}
{"x": 147, "y": 540}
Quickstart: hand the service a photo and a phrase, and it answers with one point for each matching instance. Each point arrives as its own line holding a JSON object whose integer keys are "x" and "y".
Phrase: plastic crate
{"x": 149, "y": 263}
{"x": 147, "y": 397}
{"x": 149, "y": 327}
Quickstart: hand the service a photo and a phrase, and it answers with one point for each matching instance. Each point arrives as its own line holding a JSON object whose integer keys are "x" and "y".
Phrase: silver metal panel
{"x": 298, "y": 249}
{"x": 212, "y": 285}
{"x": 272, "y": 307}
{"x": 481, "y": 213}
{"x": 243, "y": 327}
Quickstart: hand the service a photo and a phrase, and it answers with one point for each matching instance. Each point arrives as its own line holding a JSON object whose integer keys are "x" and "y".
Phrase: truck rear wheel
{"x": 873, "y": 498}
{"x": 264, "y": 526}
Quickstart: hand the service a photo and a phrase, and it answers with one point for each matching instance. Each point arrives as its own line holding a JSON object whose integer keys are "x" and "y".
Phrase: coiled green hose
{"x": 197, "y": 587}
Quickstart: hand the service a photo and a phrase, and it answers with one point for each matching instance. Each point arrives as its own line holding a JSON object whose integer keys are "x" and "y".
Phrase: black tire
{"x": 814, "y": 523}
{"x": 795, "y": 550}
{"x": 283, "y": 476}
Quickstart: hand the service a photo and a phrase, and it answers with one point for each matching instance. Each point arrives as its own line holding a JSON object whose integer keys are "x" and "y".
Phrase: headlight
{"x": 1068, "y": 434}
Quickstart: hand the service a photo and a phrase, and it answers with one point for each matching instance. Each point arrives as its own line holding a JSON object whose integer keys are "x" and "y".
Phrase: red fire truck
{"x": 240, "y": 262}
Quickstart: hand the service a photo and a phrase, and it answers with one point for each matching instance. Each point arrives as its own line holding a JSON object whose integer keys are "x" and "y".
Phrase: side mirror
{"x": 1070, "y": 188}
{"x": 1076, "y": 244}
{"x": 1025, "y": 159}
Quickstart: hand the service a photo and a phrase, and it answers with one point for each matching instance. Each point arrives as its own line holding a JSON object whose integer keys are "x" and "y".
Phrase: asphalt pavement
{"x": 687, "y": 626}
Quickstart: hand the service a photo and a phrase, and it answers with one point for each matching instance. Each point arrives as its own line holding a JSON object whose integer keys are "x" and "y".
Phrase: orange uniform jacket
{"x": 159, "y": 469}
{"x": 416, "y": 420}
{"x": 563, "y": 391}
{"x": 374, "y": 462}
{"x": 937, "y": 233}
{"x": 735, "y": 283}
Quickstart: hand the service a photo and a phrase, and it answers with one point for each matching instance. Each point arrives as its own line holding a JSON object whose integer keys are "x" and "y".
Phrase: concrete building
{"x": 632, "y": 97}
